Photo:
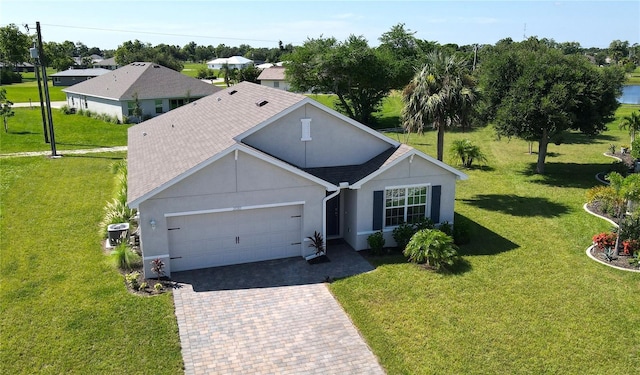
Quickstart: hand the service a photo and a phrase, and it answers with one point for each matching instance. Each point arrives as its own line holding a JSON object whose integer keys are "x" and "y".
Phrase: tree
{"x": 137, "y": 108}
{"x": 438, "y": 94}
{"x": 14, "y": 45}
{"x": 403, "y": 47}
{"x": 625, "y": 189}
{"x": 467, "y": 152}
{"x": 162, "y": 54}
{"x": 534, "y": 92}
{"x": 358, "y": 74}
{"x": 618, "y": 49}
{"x": 5, "y": 108}
{"x": 632, "y": 123}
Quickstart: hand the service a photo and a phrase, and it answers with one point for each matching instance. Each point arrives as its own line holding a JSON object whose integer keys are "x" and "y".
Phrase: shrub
{"x": 376, "y": 242}
{"x": 635, "y": 261}
{"x": 66, "y": 110}
{"x": 630, "y": 246}
{"x": 157, "y": 267}
{"x": 423, "y": 223}
{"x": 317, "y": 242}
{"x": 143, "y": 286}
{"x": 124, "y": 257}
{"x": 446, "y": 228}
{"x": 630, "y": 228}
{"x": 8, "y": 76}
{"x": 635, "y": 149}
{"x": 605, "y": 240}
{"x": 605, "y": 196}
{"x": 461, "y": 232}
{"x": 467, "y": 152}
{"x": 157, "y": 286}
{"x": 432, "y": 247}
{"x": 402, "y": 235}
{"x": 132, "y": 280}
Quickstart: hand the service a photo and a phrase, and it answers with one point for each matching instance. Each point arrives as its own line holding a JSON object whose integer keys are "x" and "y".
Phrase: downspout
{"x": 341, "y": 186}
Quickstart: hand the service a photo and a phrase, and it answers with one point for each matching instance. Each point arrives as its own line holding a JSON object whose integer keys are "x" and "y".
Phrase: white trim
{"x": 407, "y": 186}
{"x": 156, "y": 256}
{"x": 427, "y": 203}
{"x": 229, "y": 209}
{"x": 384, "y": 230}
{"x": 410, "y": 153}
{"x": 236, "y": 147}
{"x": 607, "y": 264}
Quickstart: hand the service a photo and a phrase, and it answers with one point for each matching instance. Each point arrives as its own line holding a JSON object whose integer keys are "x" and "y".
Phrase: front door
{"x": 333, "y": 217}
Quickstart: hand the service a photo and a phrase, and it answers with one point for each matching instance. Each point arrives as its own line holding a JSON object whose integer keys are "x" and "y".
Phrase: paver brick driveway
{"x": 274, "y": 317}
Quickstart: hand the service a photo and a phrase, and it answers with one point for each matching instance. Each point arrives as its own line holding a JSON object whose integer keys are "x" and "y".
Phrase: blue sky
{"x": 109, "y": 23}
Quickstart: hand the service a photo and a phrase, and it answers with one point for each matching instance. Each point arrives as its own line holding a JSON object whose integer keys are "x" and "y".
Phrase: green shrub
{"x": 66, "y": 110}
{"x": 635, "y": 261}
{"x": 8, "y": 76}
{"x": 132, "y": 280}
{"x": 143, "y": 286}
{"x": 124, "y": 257}
{"x": 446, "y": 228}
{"x": 402, "y": 235}
{"x": 461, "y": 232}
{"x": 635, "y": 149}
{"x": 376, "y": 243}
{"x": 157, "y": 286}
{"x": 423, "y": 223}
{"x": 629, "y": 229}
{"x": 467, "y": 152}
{"x": 432, "y": 247}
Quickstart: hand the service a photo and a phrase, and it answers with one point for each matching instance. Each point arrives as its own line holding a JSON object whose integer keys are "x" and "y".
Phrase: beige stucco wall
{"x": 229, "y": 183}
{"x": 334, "y": 142}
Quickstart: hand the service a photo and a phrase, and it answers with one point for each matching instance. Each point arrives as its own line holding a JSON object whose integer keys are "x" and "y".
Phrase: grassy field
{"x": 71, "y": 132}
{"x": 526, "y": 299}
{"x": 22, "y": 92}
{"x": 633, "y": 78}
{"x": 64, "y": 309}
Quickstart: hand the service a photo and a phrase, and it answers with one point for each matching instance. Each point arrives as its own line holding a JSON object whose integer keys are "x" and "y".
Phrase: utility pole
{"x": 34, "y": 54}
{"x": 46, "y": 92}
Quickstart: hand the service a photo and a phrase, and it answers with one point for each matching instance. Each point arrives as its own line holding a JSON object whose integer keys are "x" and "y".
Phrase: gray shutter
{"x": 435, "y": 203}
{"x": 378, "y": 207}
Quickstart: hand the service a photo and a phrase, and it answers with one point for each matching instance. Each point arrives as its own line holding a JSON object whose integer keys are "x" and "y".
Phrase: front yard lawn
{"x": 526, "y": 300}
{"x": 71, "y": 132}
{"x": 22, "y": 92}
{"x": 64, "y": 309}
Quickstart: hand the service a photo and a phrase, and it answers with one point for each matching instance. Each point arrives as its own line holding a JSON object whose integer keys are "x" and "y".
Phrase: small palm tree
{"x": 632, "y": 123}
{"x": 432, "y": 247}
{"x": 467, "y": 152}
{"x": 625, "y": 189}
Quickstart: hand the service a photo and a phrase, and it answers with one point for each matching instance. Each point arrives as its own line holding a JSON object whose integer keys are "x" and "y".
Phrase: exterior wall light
{"x": 153, "y": 224}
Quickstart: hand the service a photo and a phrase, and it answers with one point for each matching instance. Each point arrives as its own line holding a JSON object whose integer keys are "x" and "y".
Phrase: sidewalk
{"x": 65, "y": 152}
{"x": 37, "y": 104}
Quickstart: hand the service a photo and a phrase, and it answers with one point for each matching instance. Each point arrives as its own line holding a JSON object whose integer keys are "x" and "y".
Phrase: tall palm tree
{"x": 632, "y": 123}
{"x": 441, "y": 94}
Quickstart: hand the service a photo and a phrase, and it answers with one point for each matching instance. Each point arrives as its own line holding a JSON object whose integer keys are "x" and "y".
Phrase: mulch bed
{"x": 621, "y": 261}
{"x": 167, "y": 284}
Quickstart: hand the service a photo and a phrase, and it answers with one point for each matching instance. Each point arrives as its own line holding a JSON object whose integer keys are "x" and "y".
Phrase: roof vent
{"x": 261, "y": 103}
{"x": 219, "y": 98}
{"x": 233, "y": 92}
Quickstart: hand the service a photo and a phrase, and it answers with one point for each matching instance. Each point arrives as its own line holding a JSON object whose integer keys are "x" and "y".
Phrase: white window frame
{"x": 427, "y": 204}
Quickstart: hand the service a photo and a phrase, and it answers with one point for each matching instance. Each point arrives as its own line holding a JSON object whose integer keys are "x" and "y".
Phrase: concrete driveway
{"x": 274, "y": 317}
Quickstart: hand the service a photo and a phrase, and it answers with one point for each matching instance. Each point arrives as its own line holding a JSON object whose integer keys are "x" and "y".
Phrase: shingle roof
{"x": 148, "y": 80}
{"x": 275, "y": 73}
{"x": 237, "y": 60}
{"x": 81, "y": 72}
{"x": 165, "y": 147}
{"x": 355, "y": 173}
{"x": 109, "y": 61}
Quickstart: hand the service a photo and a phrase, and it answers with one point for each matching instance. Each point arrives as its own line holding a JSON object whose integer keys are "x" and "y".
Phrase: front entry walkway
{"x": 274, "y": 317}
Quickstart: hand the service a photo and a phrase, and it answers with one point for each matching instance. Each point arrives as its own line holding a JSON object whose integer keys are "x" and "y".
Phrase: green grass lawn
{"x": 22, "y": 92}
{"x": 526, "y": 299}
{"x": 64, "y": 309}
{"x": 633, "y": 78}
{"x": 71, "y": 132}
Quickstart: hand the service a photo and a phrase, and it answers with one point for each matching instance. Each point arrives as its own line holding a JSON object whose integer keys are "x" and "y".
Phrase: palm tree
{"x": 441, "y": 94}
{"x": 467, "y": 152}
{"x": 632, "y": 123}
{"x": 626, "y": 189}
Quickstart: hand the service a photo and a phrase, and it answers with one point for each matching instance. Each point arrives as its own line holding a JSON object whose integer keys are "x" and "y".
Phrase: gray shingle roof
{"x": 165, "y": 147}
{"x": 148, "y": 80}
{"x": 275, "y": 73}
{"x": 355, "y": 173}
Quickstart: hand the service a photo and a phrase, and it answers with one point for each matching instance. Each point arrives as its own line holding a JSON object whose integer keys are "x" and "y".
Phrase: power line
{"x": 164, "y": 34}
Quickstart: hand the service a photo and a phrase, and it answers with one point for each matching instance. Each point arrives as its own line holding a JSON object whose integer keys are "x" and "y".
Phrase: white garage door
{"x": 219, "y": 239}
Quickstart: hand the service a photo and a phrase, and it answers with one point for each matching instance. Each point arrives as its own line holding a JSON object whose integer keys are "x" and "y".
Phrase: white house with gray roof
{"x": 234, "y": 62}
{"x": 157, "y": 89}
{"x": 247, "y": 174}
{"x": 70, "y": 77}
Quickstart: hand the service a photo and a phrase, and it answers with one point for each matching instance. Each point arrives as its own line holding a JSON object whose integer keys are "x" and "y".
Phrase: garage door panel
{"x": 233, "y": 237}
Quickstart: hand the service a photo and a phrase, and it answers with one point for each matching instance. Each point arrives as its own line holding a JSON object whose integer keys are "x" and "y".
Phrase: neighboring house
{"x": 274, "y": 77}
{"x": 70, "y": 77}
{"x": 158, "y": 90}
{"x": 78, "y": 60}
{"x": 24, "y": 67}
{"x": 109, "y": 64}
{"x": 234, "y": 62}
{"x": 247, "y": 174}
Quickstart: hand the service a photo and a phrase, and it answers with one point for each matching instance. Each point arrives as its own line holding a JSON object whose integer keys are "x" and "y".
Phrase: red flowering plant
{"x": 604, "y": 240}
{"x": 629, "y": 247}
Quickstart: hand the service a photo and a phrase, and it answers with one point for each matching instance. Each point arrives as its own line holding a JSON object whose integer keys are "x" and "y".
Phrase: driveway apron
{"x": 274, "y": 317}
